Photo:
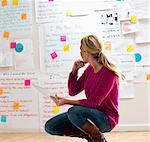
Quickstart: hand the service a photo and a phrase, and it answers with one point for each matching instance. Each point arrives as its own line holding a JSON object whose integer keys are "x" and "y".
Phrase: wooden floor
{"x": 43, "y": 137}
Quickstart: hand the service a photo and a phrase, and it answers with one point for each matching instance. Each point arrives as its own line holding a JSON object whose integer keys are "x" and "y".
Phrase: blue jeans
{"x": 77, "y": 117}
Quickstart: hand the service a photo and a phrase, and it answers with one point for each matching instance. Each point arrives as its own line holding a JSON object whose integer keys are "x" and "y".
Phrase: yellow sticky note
{"x": 56, "y": 109}
{"x": 15, "y": 2}
{"x": 16, "y": 105}
{"x": 130, "y": 48}
{"x": 1, "y": 91}
{"x": 69, "y": 13}
{"x": 107, "y": 45}
{"x": 23, "y": 16}
{"x": 6, "y": 34}
{"x": 148, "y": 76}
{"x": 133, "y": 19}
{"x": 66, "y": 48}
{"x": 4, "y": 2}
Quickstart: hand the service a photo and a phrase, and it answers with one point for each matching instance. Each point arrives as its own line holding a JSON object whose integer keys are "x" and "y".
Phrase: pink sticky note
{"x": 62, "y": 38}
{"x": 27, "y": 82}
{"x": 13, "y": 45}
{"x": 54, "y": 55}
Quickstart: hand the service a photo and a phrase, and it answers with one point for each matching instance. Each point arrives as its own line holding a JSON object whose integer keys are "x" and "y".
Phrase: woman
{"x": 98, "y": 113}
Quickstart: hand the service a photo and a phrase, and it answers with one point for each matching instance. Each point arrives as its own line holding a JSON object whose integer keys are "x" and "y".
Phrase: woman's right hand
{"x": 77, "y": 65}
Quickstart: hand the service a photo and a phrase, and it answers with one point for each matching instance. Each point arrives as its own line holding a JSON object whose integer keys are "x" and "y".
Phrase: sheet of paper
{"x": 42, "y": 90}
{"x": 143, "y": 34}
{"x": 11, "y": 19}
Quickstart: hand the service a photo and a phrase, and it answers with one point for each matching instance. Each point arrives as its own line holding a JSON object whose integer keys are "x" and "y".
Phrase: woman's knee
{"x": 74, "y": 110}
{"x": 48, "y": 129}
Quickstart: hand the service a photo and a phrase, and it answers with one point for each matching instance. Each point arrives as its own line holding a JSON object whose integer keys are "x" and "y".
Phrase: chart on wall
{"x": 18, "y": 101}
{"x": 15, "y": 18}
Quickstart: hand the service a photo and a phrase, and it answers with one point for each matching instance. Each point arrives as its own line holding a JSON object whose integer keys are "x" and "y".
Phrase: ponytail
{"x": 111, "y": 66}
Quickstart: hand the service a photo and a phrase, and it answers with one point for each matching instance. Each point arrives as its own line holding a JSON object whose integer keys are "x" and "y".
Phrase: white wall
{"x": 134, "y": 112}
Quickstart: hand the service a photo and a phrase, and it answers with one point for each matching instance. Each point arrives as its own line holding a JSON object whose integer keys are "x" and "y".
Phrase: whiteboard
{"x": 50, "y": 37}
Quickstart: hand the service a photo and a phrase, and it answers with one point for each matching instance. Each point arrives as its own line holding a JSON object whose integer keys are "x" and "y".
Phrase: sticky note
{"x": 107, "y": 45}
{"x": 56, "y": 109}
{"x": 148, "y": 76}
{"x": 68, "y": 13}
{"x": 1, "y": 91}
{"x": 16, "y": 105}
{"x": 19, "y": 48}
{"x": 3, "y": 119}
{"x": 23, "y": 16}
{"x": 62, "y": 38}
{"x": 13, "y": 45}
{"x": 138, "y": 57}
{"x": 54, "y": 55}
{"x": 4, "y": 3}
{"x": 15, "y": 2}
{"x": 6, "y": 34}
{"x": 133, "y": 19}
{"x": 130, "y": 48}
{"x": 27, "y": 82}
{"x": 66, "y": 48}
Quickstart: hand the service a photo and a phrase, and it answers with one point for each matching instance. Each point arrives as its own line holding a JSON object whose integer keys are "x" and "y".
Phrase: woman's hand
{"x": 77, "y": 65}
{"x": 59, "y": 101}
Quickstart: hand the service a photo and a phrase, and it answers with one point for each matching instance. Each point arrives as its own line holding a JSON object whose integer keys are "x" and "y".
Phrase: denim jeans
{"x": 76, "y": 117}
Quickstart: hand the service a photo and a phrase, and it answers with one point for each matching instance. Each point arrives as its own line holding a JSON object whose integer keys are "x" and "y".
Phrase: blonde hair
{"x": 94, "y": 47}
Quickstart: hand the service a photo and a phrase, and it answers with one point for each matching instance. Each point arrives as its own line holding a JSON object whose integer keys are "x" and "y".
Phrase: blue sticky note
{"x": 4, "y": 119}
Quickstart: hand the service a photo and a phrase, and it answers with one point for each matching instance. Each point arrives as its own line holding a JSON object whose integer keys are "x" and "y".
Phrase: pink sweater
{"x": 101, "y": 90}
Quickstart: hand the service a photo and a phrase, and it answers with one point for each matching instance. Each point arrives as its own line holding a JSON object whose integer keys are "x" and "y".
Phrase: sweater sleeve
{"x": 75, "y": 85}
{"x": 101, "y": 92}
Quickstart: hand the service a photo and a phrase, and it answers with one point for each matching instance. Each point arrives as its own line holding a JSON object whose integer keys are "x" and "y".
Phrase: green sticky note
{"x": 3, "y": 119}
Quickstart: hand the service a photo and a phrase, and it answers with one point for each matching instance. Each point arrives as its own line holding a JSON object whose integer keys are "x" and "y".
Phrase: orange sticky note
{"x": 23, "y": 16}
{"x": 16, "y": 105}
{"x": 130, "y": 48}
{"x": 133, "y": 19}
{"x": 6, "y": 34}
{"x": 15, "y": 2}
{"x": 1, "y": 91}
{"x": 66, "y": 48}
{"x": 4, "y": 2}
{"x": 148, "y": 76}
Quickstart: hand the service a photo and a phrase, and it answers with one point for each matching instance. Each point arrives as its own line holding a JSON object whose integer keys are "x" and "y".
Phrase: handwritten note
{"x": 11, "y": 20}
{"x": 49, "y": 11}
{"x": 18, "y": 104}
